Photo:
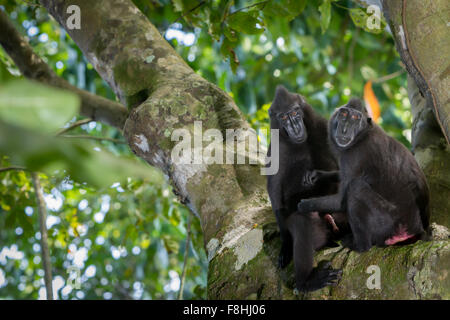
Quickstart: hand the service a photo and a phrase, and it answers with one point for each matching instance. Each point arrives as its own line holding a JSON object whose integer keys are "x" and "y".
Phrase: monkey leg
{"x": 310, "y": 233}
{"x": 285, "y": 255}
{"x": 369, "y": 216}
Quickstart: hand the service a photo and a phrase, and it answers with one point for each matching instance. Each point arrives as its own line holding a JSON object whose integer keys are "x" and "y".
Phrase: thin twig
{"x": 186, "y": 253}
{"x": 93, "y": 138}
{"x": 339, "y": 6}
{"x": 184, "y": 14}
{"x": 44, "y": 235}
{"x": 12, "y": 168}
{"x": 389, "y": 76}
{"x": 74, "y": 125}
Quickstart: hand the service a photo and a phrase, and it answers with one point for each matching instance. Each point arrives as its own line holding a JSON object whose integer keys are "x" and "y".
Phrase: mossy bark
{"x": 432, "y": 153}
{"x": 420, "y": 32}
{"x": 240, "y": 234}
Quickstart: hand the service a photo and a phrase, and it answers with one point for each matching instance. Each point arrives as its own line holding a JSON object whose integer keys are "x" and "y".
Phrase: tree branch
{"x": 93, "y": 138}
{"x": 12, "y": 168}
{"x": 74, "y": 125}
{"x": 42, "y": 210}
{"x": 33, "y": 67}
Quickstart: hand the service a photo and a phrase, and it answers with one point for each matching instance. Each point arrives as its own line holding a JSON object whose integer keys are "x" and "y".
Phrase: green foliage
{"x": 325, "y": 14}
{"x": 27, "y": 108}
{"x": 245, "y": 22}
{"x": 36, "y": 106}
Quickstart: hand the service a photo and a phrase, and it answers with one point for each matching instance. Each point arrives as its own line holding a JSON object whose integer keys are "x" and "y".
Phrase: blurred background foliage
{"x": 125, "y": 234}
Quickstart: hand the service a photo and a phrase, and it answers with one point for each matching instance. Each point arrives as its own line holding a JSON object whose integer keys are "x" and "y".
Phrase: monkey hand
{"x": 310, "y": 178}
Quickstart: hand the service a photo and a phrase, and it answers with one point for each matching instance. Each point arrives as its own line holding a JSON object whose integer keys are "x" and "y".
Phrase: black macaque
{"x": 382, "y": 189}
{"x": 307, "y": 168}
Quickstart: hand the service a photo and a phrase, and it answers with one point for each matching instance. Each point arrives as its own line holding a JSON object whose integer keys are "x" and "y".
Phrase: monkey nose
{"x": 344, "y": 129}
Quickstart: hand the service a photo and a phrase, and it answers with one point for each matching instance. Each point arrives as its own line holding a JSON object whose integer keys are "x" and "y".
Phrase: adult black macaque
{"x": 307, "y": 168}
{"x": 382, "y": 189}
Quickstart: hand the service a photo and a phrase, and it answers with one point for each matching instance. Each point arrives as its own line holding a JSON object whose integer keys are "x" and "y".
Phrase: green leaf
{"x": 45, "y": 153}
{"x": 244, "y": 22}
{"x": 295, "y": 7}
{"x": 36, "y": 106}
{"x": 227, "y": 50}
{"x": 230, "y": 34}
{"x": 178, "y": 5}
{"x": 361, "y": 19}
{"x": 325, "y": 14}
{"x": 275, "y": 9}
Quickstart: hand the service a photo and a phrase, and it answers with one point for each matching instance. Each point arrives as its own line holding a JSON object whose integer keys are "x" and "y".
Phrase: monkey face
{"x": 348, "y": 125}
{"x": 292, "y": 124}
{"x": 287, "y": 113}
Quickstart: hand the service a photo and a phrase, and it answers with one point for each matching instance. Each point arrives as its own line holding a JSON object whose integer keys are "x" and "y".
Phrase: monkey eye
{"x": 355, "y": 117}
{"x": 284, "y": 117}
{"x": 293, "y": 113}
{"x": 344, "y": 113}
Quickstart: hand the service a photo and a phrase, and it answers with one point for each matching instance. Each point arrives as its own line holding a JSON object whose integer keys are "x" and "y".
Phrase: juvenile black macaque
{"x": 382, "y": 189}
{"x": 307, "y": 169}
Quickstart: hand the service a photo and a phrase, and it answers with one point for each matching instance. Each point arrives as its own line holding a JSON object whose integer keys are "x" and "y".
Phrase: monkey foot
{"x": 284, "y": 257}
{"x": 320, "y": 278}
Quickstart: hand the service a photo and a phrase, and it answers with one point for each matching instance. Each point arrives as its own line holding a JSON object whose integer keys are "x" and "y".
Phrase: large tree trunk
{"x": 420, "y": 31}
{"x": 163, "y": 93}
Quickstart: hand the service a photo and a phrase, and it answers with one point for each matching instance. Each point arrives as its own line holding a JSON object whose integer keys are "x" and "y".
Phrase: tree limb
{"x": 12, "y": 168}
{"x": 33, "y": 67}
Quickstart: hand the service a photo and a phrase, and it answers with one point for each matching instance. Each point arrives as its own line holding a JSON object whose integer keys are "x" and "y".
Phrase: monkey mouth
{"x": 298, "y": 138}
{"x": 343, "y": 141}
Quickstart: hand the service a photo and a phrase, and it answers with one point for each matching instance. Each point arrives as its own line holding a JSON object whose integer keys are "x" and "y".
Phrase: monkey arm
{"x": 331, "y": 203}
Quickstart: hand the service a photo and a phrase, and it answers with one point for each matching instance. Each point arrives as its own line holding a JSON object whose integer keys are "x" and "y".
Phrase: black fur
{"x": 382, "y": 189}
{"x": 307, "y": 169}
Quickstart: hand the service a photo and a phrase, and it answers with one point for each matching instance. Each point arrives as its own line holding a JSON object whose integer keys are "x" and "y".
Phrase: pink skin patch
{"x": 401, "y": 236}
{"x": 329, "y": 218}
